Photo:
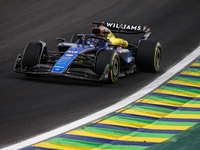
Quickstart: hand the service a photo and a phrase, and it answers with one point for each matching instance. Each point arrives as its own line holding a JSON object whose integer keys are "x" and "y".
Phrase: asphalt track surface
{"x": 33, "y": 105}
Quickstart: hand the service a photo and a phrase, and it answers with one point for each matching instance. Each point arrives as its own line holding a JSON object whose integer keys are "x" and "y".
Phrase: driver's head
{"x": 92, "y": 41}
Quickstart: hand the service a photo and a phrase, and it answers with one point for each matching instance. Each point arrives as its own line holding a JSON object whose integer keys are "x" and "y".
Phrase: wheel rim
{"x": 115, "y": 67}
{"x": 114, "y": 72}
{"x": 157, "y": 59}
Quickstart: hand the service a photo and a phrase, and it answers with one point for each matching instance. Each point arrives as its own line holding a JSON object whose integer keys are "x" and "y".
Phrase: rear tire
{"x": 31, "y": 55}
{"x": 148, "y": 56}
{"x": 108, "y": 57}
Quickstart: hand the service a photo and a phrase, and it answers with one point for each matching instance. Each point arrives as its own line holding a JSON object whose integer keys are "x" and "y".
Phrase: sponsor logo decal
{"x": 73, "y": 52}
{"x": 69, "y": 55}
{"x": 123, "y": 26}
{"x": 123, "y": 51}
{"x": 58, "y": 66}
{"x": 129, "y": 59}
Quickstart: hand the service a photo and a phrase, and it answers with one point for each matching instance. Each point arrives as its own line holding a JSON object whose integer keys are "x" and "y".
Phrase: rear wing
{"x": 124, "y": 28}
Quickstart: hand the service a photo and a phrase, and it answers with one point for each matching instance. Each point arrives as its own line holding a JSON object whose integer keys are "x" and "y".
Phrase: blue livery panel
{"x": 125, "y": 55}
{"x": 65, "y": 61}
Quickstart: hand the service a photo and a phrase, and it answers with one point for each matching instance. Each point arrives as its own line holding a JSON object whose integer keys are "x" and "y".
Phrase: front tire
{"x": 148, "y": 56}
{"x": 31, "y": 55}
{"x": 108, "y": 57}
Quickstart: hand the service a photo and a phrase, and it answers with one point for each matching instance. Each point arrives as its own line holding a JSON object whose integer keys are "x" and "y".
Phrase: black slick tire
{"x": 31, "y": 55}
{"x": 108, "y": 57}
{"x": 148, "y": 56}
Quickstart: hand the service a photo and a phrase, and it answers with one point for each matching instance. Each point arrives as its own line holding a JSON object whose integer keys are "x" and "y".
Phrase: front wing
{"x": 78, "y": 73}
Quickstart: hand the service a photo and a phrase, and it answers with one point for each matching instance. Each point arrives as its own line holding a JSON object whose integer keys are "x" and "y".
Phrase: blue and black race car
{"x": 99, "y": 56}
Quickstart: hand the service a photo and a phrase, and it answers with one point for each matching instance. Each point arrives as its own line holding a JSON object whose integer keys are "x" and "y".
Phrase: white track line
{"x": 135, "y": 96}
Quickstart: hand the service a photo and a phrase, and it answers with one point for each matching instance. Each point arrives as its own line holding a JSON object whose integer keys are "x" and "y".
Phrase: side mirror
{"x": 60, "y": 39}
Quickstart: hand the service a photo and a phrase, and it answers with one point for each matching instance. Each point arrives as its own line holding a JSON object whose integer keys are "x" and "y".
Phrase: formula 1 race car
{"x": 99, "y": 56}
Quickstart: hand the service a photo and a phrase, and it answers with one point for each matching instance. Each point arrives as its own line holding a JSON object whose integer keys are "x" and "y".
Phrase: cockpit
{"x": 96, "y": 41}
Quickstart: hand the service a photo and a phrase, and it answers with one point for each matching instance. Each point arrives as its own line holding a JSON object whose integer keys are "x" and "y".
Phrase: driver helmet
{"x": 92, "y": 41}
